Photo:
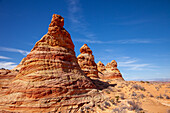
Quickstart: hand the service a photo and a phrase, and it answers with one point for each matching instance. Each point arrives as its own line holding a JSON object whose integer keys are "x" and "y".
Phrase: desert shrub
{"x": 157, "y": 88}
{"x": 112, "y": 101}
{"x": 119, "y": 86}
{"x": 138, "y": 87}
{"x": 134, "y": 106}
{"x": 107, "y": 104}
{"x": 100, "y": 107}
{"x": 147, "y": 82}
{"x": 110, "y": 88}
{"x": 3, "y": 68}
{"x": 117, "y": 98}
{"x": 151, "y": 95}
{"x": 122, "y": 96}
{"x": 160, "y": 86}
{"x": 160, "y": 96}
{"x": 141, "y": 96}
{"x": 116, "y": 110}
{"x": 166, "y": 96}
{"x": 107, "y": 91}
{"x": 142, "y": 81}
{"x": 17, "y": 70}
{"x": 119, "y": 110}
{"x": 134, "y": 94}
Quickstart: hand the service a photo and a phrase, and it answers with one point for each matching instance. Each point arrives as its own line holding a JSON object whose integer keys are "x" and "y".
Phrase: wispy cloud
{"x": 131, "y": 22}
{"x": 135, "y": 65}
{"x": 77, "y": 19}
{"x": 133, "y": 41}
{"x": 3, "y": 57}
{"x": 23, "y": 52}
{"x": 7, "y": 65}
{"x": 128, "y": 41}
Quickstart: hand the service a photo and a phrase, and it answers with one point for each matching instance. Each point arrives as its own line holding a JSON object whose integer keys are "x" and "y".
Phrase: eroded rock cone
{"x": 87, "y": 63}
{"x": 50, "y": 79}
{"x": 110, "y": 71}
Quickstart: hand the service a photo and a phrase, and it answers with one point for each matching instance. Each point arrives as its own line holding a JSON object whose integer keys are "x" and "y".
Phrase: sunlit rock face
{"x": 5, "y": 77}
{"x": 110, "y": 71}
{"x": 49, "y": 78}
{"x": 87, "y": 63}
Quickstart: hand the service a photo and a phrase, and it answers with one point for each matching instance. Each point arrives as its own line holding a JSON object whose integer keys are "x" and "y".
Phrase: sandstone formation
{"x": 110, "y": 71}
{"x": 6, "y": 76}
{"x": 87, "y": 63}
{"x": 50, "y": 79}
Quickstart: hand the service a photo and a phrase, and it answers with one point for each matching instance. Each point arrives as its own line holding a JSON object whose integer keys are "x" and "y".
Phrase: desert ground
{"x": 137, "y": 96}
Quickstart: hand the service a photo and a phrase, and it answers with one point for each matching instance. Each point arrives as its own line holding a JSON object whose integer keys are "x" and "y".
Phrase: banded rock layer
{"x": 5, "y": 77}
{"x": 50, "y": 79}
{"x": 87, "y": 63}
{"x": 110, "y": 71}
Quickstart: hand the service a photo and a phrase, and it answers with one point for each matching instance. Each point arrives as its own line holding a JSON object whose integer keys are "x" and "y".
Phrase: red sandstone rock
{"x": 87, "y": 63}
{"x": 110, "y": 71}
{"x": 6, "y": 76}
{"x": 50, "y": 79}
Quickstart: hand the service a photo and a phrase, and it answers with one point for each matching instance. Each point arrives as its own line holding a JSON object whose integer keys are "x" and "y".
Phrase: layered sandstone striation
{"x": 6, "y": 76}
{"x": 87, "y": 63}
{"x": 49, "y": 78}
{"x": 110, "y": 71}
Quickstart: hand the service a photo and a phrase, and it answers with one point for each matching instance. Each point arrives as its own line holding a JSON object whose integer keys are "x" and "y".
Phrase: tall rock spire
{"x": 50, "y": 79}
{"x": 87, "y": 63}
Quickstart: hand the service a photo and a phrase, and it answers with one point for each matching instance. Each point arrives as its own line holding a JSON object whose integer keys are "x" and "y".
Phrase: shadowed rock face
{"x": 50, "y": 79}
{"x": 87, "y": 63}
{"x": 110, "y": 71}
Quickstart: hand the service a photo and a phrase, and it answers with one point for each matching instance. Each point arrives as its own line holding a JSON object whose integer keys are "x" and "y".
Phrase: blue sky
{"x": 135, "y": 33}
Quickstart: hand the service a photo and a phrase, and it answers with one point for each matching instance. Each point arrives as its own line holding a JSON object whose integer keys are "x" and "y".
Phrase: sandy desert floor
{"x": 136, "y": 96}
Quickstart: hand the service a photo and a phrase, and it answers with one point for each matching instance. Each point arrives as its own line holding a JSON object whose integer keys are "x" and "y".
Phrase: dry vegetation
{"x": 137, "y": 97}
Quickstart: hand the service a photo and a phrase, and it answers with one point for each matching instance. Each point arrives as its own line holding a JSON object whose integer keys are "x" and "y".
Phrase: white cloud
{"x": 77, "y": 19}
{"x": 135, "y": 65}
{"x": 133, "y": 41}
{"x": 128, "y": 41}
{"x": 7, "y": 65}
{"x": 23, "y": 52}
{"x": 3, "y": 57}
{"x": 90, "y": 41}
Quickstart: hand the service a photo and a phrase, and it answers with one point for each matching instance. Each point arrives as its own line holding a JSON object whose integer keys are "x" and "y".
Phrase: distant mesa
{"x": 110, "y": 71}
{"x": 50, "y": 78}
{"x": 87, "y": 63}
